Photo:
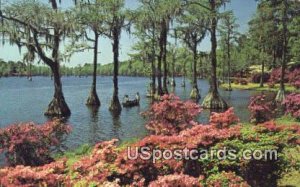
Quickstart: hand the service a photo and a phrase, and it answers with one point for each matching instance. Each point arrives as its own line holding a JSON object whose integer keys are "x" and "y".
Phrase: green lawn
{"x": 291, "y": 178}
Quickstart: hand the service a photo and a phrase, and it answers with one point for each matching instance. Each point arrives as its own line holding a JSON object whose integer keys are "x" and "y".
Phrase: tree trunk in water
{"x": 160, "y": 57}
{"x": 173, "y": 83}
{"x": 229, "y": 65}
{"x": 29, "y": 75}
{"x": 281, "y": 93}
{"x": 274, "y": 59}
{"x": 153, "y": 88}
{"x": 262, "y": 74}
{"x": 195, "y": 91}
{"x": 58, "y": 106}
{"x": 165, "y": 35}
{"x": 93, "y": 99}
{"x": 184, "y": 74}
{"x": 115, "y": 105}
{"x": 223, "y": 70}
{"x": 213, "y": 100}
{"x": 153, "y": 78}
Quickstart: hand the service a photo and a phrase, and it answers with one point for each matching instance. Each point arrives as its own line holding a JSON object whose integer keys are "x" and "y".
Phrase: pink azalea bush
{"x": 171, "y": 115}
{"x": 52, "y": 174}
{"x": 30, "y": 144}
{"x": 292, "y": 76}
{"x": 93, "y": 167}
{"x": 275, "y": 76}
{"x": 256, "y": 77}
{"x": 260, "y": 109}
{"x": 292, "y": 105}
{"x": 224, "y": 119}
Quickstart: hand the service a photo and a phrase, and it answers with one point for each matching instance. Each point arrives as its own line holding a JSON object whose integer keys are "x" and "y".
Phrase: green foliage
{"x": 11, "y": 68}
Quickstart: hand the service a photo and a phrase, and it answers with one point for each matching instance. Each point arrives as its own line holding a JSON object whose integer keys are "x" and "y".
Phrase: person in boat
{"x": 125, "y": 99}
{"x": 137, "y": 97}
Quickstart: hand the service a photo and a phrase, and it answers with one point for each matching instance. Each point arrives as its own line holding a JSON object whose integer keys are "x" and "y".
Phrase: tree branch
{"x": 40, "y": 51}
{"x": 188, "y": 3}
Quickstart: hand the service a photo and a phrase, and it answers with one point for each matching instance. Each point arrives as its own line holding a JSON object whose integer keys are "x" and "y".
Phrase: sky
{"x": 243, "y": 10}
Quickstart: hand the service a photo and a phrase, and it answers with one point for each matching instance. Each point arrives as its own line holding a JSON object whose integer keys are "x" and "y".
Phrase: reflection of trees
{"x": 93, "y": 124}
{"x": 116, "y": 124}
{"x": 173, "y": 90}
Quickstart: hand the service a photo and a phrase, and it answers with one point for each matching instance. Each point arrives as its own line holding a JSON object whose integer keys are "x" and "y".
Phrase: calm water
{"x": 23, "y": 101}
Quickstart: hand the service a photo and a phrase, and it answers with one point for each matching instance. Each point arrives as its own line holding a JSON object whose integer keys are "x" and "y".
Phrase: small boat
{"x": 131, "y": 103}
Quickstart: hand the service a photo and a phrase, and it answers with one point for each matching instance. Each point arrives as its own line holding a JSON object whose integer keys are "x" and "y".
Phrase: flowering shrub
{"x": 294, "y": 78}
{"x": 94, "y": 167}
{"x": 257, "y": 77}
{"x": 176, "y": 180}
{"x": 241, "y": 81}
{"x": 224, "y": 119}
{"x": 260, "y": 109}
{"x": 296, "y": 84}
{"x": 171, "y": 115}
{"x": 292, "y": 105}
{"x": 52, "y": 174}
{"x": 275, "y": 76}
{"x": 30, "y": 144}
{"x": 199, "y": 136}
{"x": 271, "y": 126}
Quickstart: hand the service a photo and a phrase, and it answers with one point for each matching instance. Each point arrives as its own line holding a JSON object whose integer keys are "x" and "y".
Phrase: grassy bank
{"x": 256, "y": 86}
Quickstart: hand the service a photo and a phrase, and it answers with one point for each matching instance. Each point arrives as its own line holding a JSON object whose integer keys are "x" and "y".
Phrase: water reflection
{"x": 93, "y": 124}
{"x": 116, "y": 124}
{"x": 173, "y": 89}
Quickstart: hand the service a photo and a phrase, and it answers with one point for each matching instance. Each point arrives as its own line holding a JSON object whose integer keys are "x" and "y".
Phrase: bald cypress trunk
{"x": 213, "y": 100}
{"x": 281, "y": 93}
{"x": 229, "y": 63}
{"x": 58, "y": 105}
{"x": 115, "y": 105}
{"x": 164, "y": 38}
{"x": 153, "y": 75}
{"x": 195, "y": 91}
{"x": 173, "y": 83}
{"x": 93, "y": 99}
{"x": 160, "y": 59}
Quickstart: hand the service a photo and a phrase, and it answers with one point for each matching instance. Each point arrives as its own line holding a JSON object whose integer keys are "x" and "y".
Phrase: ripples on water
{"x": 23, "y": 101}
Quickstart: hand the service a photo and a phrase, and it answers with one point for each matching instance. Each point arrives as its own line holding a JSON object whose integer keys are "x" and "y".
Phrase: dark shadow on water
{"x": 216, "y": 110}
{"x": 116, "y": 124}
{"x": 172, "y": 89}
{"x": 150, "y": 101}
{"x": 93, "y": 112}
{"x": 229, "y": 94}
{"x": 63, "y": 119}
{"x": 115, "y": 114}
{"x": 93, "y": 124}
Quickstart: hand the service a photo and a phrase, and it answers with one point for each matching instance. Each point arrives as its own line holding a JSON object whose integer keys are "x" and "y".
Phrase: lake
{"x": 24, "y": 101}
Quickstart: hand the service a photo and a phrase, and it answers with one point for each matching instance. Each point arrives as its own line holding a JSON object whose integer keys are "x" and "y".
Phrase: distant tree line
{"x": 132, "y": 67}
